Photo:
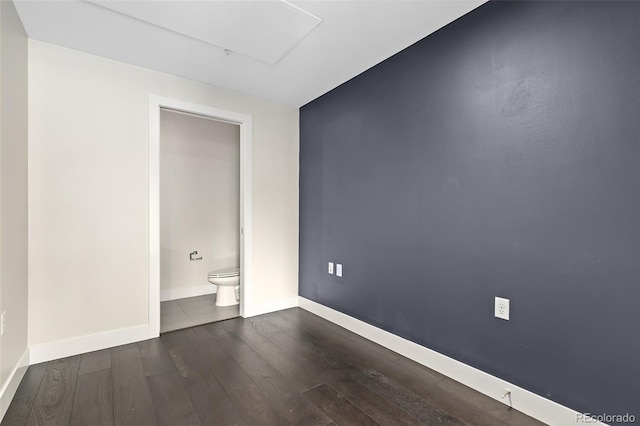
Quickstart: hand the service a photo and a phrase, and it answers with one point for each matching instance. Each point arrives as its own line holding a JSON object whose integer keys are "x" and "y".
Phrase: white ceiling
{"x": 286, "y": 52}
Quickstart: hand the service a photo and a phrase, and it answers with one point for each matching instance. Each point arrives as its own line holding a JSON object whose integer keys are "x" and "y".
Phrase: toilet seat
{"x": 224, "y": 273}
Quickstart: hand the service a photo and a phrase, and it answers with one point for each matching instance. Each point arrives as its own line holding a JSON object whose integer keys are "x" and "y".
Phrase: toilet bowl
{"x": 227, "y": 280}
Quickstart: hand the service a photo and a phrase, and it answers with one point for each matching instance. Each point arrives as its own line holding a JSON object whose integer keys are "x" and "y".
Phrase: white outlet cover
{"x": 331, "y": 267}
{"x": 339, "y": 269}
{"x": 502, "y": 308}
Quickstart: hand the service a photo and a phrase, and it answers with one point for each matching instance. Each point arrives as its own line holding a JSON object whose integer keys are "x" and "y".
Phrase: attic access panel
{"x": 262, "y": 30}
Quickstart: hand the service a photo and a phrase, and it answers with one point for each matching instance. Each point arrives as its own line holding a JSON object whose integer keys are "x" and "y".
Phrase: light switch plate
{"x": 339, "y": 269}
{"x": 331, "y": 268}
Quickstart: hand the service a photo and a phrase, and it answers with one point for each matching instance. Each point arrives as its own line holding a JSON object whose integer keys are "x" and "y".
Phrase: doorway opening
{"x": 199, "y": 214}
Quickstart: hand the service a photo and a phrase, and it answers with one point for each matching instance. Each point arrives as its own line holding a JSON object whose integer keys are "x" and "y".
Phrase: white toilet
{"x": 227, "y": 280}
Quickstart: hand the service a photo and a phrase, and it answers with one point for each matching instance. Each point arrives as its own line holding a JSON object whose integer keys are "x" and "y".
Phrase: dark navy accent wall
{"x": 500, "y": 156}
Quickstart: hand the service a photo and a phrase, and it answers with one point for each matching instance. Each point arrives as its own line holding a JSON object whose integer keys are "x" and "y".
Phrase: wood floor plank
{"x": 359, "y": 366}
{"x": 377, "y": 407}
{"x": 336, "y": 406}
{"x": 95, "y": 361}
{"x": 230, "y": 375}
{"x": 252, "y": 402}
{"x": 206, "y": 344}
{"x": 207, "y": 395}
{"x": 20, "y": 406}
{"x": 211, "y": 401}
{"x": 18, "y": 411}
{"x": 176, "y": 338}
{"x": 502, "y": 411}
{"x": 291, "y": 404}
{"x": 93, "y": 404}
{"x": 196, "y": 352}
{"x": 255, "y": 407}
{"x": 299, "y": 373}
{"x": 132, "y": 404}
{"x": 187, "y": 359}
{"x": 322, "y": 360}
{"x": 31, "y": 381}
{"x": 309, "y": 357}
{"x": 126, "y": 360}
{"x": 261, "y": 325}
{"x": 415, "y": 394}
{"x": 422, "y": 409}
{"x": 54, "y": 400}
{"x": 155, "y": 357}
{"x": 171, "y": 400}
{"x": 132, "y": 401}
{"x": 384, "y": 358}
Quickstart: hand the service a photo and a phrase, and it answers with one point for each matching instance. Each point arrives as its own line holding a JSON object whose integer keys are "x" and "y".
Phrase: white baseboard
{"x": 93, "y": 342}
{"x": 181, "y": 293}
{"x": 270, "y": 306}
{"x": 89, "y": 343}
{"x": 11, "y": 385}
{"x": 523, "y": 400}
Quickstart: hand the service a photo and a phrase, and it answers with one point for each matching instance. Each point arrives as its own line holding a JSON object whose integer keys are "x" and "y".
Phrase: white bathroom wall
{"x": 13, "y": 201}
{"x": 88, "y": 195}
{"x": 199, "y": 201}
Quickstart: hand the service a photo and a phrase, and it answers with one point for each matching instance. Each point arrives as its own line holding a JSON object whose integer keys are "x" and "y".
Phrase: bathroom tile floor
{"x": 192, "y": 311}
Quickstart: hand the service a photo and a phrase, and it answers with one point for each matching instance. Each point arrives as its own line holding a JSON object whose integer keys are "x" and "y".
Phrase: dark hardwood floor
{"x": 287, "y": 367}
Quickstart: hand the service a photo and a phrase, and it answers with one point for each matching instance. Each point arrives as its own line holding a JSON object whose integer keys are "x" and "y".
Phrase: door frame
{"x": 156, "y": 103}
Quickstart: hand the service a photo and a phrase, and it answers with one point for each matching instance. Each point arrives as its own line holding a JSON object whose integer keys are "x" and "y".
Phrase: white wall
{"x": 88, "y": 191}
{"x": 199, "y": 201}
{"x": 13, "y": 198}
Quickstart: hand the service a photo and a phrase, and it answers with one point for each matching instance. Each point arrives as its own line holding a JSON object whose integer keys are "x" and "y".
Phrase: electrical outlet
{"x": 3, "y": 323}
{"x": 502, "y": 308}
{"x": 331, "y": 268}
{"x": 339, "y": 269}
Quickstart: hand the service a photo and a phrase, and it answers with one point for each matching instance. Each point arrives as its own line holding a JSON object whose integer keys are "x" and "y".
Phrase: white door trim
{"x": 245, "y": 123}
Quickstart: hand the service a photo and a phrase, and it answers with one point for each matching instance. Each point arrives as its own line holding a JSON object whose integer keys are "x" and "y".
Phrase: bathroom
{"x": 199, "y": 220}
